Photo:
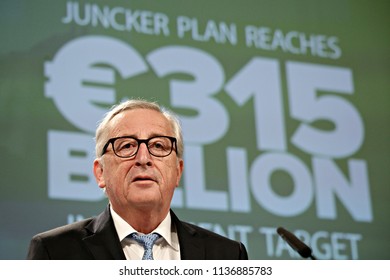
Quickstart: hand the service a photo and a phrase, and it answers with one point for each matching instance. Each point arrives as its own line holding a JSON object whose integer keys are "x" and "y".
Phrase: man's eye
{"x": 126, "y": 146}
{"x": 158, "y": 146}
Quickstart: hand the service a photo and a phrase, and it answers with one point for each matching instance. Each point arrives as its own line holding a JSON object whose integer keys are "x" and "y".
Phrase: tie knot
{"x": 147, "y": 241}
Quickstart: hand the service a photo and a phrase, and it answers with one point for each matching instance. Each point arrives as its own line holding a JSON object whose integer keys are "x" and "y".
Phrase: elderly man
{"x": 139, "y": 149}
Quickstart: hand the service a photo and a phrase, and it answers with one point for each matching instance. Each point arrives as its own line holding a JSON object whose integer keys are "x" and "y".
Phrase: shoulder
{"x": 60, "y": 242}
{"x": 197, "y": 231}
{"x": 199, "y": 243}
{"x": 74, "y": 229}
{"x": 204, "y": 233}
{"x": 78, "y": 229}
{"x": 212, "y": 239}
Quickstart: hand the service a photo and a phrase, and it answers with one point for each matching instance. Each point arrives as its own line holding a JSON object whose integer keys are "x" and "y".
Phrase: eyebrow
{"x": 150, "y": 136}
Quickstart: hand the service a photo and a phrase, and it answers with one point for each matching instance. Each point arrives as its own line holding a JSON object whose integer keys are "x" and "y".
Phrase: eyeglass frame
{"x": 139, "y": 142}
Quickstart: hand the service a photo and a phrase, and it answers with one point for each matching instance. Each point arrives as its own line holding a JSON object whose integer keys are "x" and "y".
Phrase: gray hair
{"x": 102, "y": 131}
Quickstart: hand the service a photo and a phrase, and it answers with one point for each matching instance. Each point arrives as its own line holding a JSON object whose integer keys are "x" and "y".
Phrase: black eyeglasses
{"x": 127, "y": 146}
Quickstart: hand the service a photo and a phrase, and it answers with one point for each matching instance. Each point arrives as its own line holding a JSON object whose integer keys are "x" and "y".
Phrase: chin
{"x": 145, "y": 199}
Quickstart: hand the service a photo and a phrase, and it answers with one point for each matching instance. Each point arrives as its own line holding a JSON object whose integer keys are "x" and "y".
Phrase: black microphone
{"x": 295, "y": 243}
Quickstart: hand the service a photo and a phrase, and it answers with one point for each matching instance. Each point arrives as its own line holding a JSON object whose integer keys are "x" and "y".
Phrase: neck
{"x": 142, "y": 220}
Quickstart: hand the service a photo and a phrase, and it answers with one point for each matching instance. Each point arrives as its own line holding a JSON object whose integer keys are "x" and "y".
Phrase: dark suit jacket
{"x": 96, "y": 238}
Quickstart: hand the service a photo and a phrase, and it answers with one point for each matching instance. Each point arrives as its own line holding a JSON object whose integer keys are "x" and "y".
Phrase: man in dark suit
{"x": 139, "y": 149}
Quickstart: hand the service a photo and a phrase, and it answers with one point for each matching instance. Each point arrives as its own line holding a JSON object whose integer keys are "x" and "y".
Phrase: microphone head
{"x": 301, "y": 248}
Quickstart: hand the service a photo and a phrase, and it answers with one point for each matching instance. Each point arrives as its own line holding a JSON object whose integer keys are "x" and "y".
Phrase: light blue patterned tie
{"x": 147, "y": 241}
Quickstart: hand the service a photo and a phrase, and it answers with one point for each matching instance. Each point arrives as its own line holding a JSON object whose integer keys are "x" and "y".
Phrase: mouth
{"x": 143, "y": 178}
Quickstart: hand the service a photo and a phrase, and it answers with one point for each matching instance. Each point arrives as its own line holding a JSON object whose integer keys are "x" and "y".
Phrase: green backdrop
{"x": 284, "y": 107}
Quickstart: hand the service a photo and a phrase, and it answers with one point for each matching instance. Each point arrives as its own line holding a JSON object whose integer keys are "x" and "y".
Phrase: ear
{"x": 98, "y": 172}
{"x": 180, "y": 167}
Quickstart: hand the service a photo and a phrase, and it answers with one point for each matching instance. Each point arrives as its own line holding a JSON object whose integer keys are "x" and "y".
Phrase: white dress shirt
{"x": 165, "y": 248}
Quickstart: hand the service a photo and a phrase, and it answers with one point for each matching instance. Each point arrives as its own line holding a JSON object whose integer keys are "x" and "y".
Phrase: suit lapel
{"x": 191, "y": 245}
{"x": 102, "y": 241}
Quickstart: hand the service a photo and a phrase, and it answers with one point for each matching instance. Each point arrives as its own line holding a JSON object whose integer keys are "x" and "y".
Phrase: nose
{"x": 143, "y": 157}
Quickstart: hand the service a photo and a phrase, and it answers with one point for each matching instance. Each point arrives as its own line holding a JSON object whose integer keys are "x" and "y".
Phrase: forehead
{"x": 140, "y": 123}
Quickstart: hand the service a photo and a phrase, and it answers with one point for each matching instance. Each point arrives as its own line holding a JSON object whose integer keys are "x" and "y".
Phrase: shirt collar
{"x": 123, "y": 229}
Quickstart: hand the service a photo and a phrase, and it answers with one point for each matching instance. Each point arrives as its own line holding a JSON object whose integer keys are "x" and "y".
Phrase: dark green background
{"x": 31, "y": 33}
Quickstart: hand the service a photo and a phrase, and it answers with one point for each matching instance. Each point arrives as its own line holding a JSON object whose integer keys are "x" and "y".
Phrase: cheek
{"x": 116, "y": 174}
{"x": 172, "y": 174}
